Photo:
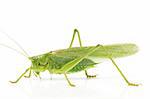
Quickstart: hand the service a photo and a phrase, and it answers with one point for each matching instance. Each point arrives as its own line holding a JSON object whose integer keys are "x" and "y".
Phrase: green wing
{"x": 115, "y": 51}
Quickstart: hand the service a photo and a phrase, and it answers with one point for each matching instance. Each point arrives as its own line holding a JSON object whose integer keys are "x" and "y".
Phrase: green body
{"x": 55, "y": 60}
{"x": 75, "y": 59}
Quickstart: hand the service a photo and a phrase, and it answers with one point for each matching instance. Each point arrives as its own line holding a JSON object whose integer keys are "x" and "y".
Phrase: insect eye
{"x": 39, "y": 63}
{"x": 42, "y": 64}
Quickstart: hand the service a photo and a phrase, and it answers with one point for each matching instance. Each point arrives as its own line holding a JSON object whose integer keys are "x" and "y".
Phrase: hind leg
{"x": 80, "y": 42}
{"x": 119, "y": 70}
{"x": 123, "y": 76}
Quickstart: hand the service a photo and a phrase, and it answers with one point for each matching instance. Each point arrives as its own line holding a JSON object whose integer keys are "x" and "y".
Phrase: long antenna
{"x": 13, "y": 49}
{"x": 15, "y": 43}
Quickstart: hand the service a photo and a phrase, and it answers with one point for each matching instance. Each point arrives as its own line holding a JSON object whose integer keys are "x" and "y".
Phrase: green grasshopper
{"x": 76, "y": 59}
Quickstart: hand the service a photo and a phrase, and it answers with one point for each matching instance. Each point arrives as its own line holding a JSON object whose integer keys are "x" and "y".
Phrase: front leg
{"x": 36, "y": 74}
{"x": 29, "y": 75}
{"x": 20, "y": 76}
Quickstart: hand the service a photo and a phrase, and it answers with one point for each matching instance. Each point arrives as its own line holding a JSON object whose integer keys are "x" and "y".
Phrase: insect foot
{"x": 72, "y": 85}
{"x": 13, "y": 81}
{"x": 27, "y": 76}
{"x": 132, "y": 84}
{"x": 91, "y": 76}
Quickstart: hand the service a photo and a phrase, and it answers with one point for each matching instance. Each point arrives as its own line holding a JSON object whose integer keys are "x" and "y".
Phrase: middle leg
{"x": 89, "y": 76}
{"x": 72, "y": 85}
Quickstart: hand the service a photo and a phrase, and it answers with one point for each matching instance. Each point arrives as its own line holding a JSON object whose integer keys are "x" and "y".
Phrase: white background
{"x": 43, "y": 25}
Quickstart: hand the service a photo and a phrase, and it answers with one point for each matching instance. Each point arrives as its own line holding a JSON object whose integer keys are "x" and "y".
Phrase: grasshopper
{"x": 75, "y": 59}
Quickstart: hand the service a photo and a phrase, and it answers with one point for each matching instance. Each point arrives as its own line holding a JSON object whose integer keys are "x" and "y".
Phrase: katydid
{"x": 75, "y": 59}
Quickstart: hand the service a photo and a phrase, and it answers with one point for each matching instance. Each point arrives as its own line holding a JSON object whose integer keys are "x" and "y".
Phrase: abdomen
{"x": 58, "y": 62}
